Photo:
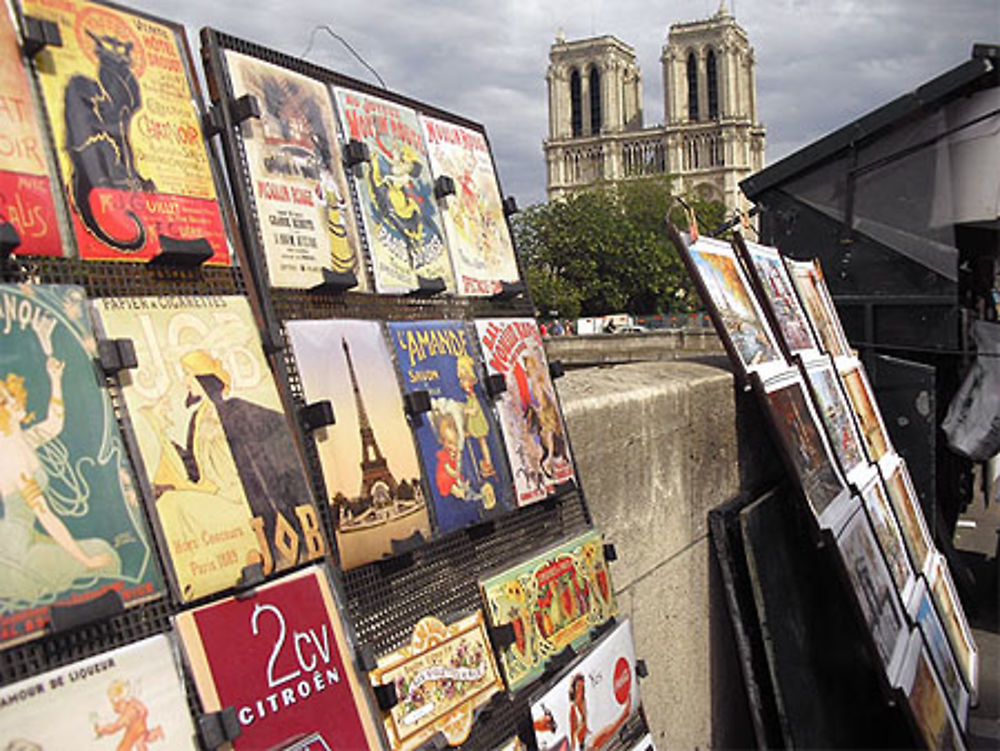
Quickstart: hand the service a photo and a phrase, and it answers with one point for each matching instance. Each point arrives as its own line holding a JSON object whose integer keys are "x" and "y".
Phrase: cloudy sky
{"x": 820, "y": 63}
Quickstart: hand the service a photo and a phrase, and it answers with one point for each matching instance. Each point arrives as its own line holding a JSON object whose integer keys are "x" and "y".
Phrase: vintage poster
{"x": 129, "y": 698}
{"x": 396, "y": 192}
{"x": 25, "y": 187}
{"x": 458, "y": 438}
{"x": 127, "y": 133}
{"x": 890, "y": 539}
{"x": 859, "y": 392}
{"x": 296, "y": 172}
{"x": 587, "y": 707}
{"x": 927, "y": 699}
{"x": 728, "y": 291}
{"x": 804, "y": 445}
{"x": 551, "y": 601}
{"x": 924, "y": 614}
{"x": 72, "y": 527}
{"x": 908, "y": 512}
{"x": 807, "y": 276}
{"x": 773, "y": 277}
{"x": 293, "y": 677}
{"x": 531, "y": 422}
{"x": 370, "y": 464}
{"x": 872, "y": 584}
{"x": 225, "y": 480}
{"x": 836, "y": 413}
{"x": 481, "y": 249}
{"x": 442, "y": 676}
{"x": 953, "y": 619}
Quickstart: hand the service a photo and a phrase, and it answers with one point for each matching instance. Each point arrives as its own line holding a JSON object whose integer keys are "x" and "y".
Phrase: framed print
{"x": 294, "y": 167}
{"x": 876, "y": 596}
{"x": 457, "y": 437}
{"x": 225, "y": 482}
{"x": 534, "y": 431}
{"x": 770, "y": 276}
{"x": 836, "y": 414}
{"x": 953, "y": 619}
{"x": 738, "y": 317}
{"x": 924, "y": 614}
{"x": 551, "y": 601}
{"x": 395, "y": 189}
{"x": 807, "y": 277}
{"x": 132, "y": 697}
{"x": 370, "y": 466}
{"x": 124, "y": 113}
{"x": 441, "y": 677}
{"x": 26, "y": 199}
{"x": 927, "y": 700}
{"x": 71, "y": 527}
{"x": 805, "y": 447}
{"x": 862, "y": 399}
{"x": 593, "y": 699}
{"x": 294, "y": 677}
{"x": 908, "y": 512}
{"x": 478, "y": 237}
{"x": 887, "y": 532}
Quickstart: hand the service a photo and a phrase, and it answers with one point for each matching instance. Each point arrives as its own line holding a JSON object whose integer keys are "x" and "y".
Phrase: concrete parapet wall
{"x": 658, "y": 445}
{"x": 595, "y": 349}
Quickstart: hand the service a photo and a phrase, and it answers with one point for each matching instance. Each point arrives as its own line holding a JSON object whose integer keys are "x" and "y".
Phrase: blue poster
{"x": 458, "y": 442}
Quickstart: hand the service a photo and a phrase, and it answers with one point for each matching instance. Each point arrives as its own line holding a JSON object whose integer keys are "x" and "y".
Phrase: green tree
{"x": 606, "y": 249}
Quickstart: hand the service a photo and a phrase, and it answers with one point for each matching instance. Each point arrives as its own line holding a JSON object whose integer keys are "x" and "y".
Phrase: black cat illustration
{"x": 98, "y": 115}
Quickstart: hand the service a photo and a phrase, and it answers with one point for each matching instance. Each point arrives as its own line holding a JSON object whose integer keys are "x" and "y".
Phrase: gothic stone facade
{"x": 711, "y": 140}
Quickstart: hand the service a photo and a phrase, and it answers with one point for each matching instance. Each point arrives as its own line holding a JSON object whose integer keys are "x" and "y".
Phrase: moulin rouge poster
{"x": 128, "y": 135}
{"x": 25, "y": 189}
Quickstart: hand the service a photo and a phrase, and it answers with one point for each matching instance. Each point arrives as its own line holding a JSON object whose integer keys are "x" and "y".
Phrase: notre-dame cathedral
{"x": 711, "y": 139}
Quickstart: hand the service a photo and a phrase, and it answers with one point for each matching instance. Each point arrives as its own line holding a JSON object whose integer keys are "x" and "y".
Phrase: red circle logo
{"x": 623, "y": 680}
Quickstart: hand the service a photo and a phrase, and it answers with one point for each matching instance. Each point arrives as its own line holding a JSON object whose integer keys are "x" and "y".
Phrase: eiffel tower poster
{"x": 369, "y": 462}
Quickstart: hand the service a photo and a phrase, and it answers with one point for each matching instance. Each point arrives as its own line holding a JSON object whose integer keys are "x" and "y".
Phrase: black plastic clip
{"x": 334, "y": 282}
{"x": 355, "y": 154}
{"x": 497, "y": 703}
{"x": 115, "y": 355}
{"x": 216, "y": 728}
{"x": 563, "y": 489}
{"x": 640, "y": 668}
{"x": 502, "y": 636}
{"x": 428, "y": 287}
{"x": 556, "y": 664}
{"x": 184, "y": 253}
{"x": 385, "y": 696}
{"x": 417, "y": 402}
{"x": 39, "y": 34}
{"x": 444, "y": 186}
{"x": 244, "y": 108}
{"x": 212, "y": 123}
{"x": 510, "y": 290}
{"x": 252, "y": 575}
{"x": 510, "y": 206}
{"x": 9, "y": 240}
{"x": 68, "y": 617}
{"x": 402, "y": 554}
{"x": 610, "y": 554}
{"x": 496, "y": 384}
{"x": 317, "y": 415}
{"x": 556, "y": 369}
{"x": 601, "y": 629}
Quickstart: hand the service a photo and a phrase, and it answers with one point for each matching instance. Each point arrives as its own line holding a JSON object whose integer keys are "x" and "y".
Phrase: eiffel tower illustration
{"x": 374, "y": 468}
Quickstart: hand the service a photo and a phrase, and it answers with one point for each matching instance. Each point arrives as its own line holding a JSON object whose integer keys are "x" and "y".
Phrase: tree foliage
{"x": 606, "y": 249}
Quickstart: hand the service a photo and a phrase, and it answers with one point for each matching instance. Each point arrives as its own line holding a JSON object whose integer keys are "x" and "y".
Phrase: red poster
{"x": 279, "y": 658}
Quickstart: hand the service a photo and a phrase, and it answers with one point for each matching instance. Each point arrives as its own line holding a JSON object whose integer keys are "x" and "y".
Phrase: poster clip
{"x": 444, "y": 186}
{"x": 212, "y": 123}
{"x": 244, "y": 108}
{"x": 610, "y": 553}
{"x": 641, "y": 669}
{"x": 116, "y": 355}
{"x": 182, "y": 253}
{"x": 417, "y": 402}
{"x": 251, "y": 575}
{"x": 510, "y": 290}
{"x": 556, "y": 369}
{"x": 67, "y": 617}
{"x": 39, "y": 34}
{"x": 336, "y": 281}
{"x": 10, "y": 240}
{"x": 503, "y": 635}
{"x": 496, "y": 384}
{"x": 510, "y": 206}
{"x": 428, "y": 287}
{"x": 385, "y": 696}
{"x": 317, "y": 415}
{"x": 216, "y": 728}
{"x": 355, "y": 154}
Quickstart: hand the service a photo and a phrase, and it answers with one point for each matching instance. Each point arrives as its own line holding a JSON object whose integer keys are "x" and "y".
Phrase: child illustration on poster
{"x": 25, "y": 188}
{"x": 227, "y": 481}
{"x": 533, "y": 429}
{"x": 71, "y": 526}
{"x": 457, "y": 437}
{"x": 395, "y": 189}
{"x": 128, "y": 134}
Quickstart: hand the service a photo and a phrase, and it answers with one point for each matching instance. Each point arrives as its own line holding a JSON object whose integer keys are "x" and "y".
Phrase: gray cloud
{"x": 820, "y": 63}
